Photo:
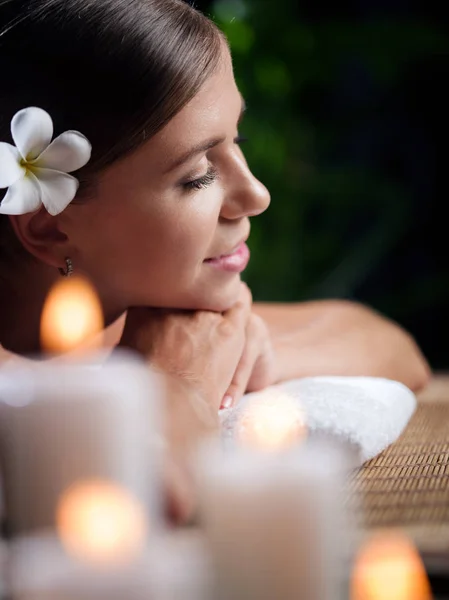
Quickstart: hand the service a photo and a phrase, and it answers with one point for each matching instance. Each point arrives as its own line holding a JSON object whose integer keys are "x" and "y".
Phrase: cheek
{"x": 172, "y": 237}
{"x": 181, "y": 238}
{"x": 151, "y": 253}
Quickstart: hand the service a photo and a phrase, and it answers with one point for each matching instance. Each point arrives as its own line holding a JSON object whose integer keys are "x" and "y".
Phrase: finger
{"x": 264, "y": 371}
{"x": 242, "y": 376}
{"x": 180, "y": 498}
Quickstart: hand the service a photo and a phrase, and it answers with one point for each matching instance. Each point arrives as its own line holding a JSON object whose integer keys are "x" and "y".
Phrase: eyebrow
{"x": 203, "y": 146}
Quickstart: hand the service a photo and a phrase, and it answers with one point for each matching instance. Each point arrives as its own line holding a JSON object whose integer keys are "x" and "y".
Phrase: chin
{"x": 218, "y": 298}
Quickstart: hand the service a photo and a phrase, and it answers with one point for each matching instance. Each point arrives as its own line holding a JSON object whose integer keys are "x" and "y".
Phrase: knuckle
{"x": 232, "y": 389}
{"x": 257, "y": 322}
{"x": 200, "y": 316}
{"x": 243, "y": 371}
{"x": 226, "y": 328}
{"x": 257, "y": 327}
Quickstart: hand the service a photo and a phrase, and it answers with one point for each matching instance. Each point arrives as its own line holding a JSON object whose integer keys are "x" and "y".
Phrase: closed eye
{"x": 202, "y": 182}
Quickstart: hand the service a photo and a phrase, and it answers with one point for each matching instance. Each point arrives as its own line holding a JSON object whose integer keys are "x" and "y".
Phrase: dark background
{"x": 348, "y": 127}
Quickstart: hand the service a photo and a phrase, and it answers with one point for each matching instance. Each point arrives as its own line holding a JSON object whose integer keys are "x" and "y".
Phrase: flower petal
{"x": 23, "y": 197}
{"x": 32, "y": 130}
{"x": 68, "y": 152}
{"x": 10, "y": 167}
{"x": 57, "y": 189}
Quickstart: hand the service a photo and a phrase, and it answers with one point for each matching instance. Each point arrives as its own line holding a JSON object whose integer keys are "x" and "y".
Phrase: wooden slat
{"x": 407, "y": 486}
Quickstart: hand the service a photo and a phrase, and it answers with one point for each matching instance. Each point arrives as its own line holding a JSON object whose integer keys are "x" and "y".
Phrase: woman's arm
{"x": 336, "y": 337}
{"x": 341, "y": 338}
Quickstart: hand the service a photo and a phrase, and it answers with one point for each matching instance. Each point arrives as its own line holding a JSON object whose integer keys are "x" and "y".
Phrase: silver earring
{"x": 68, "y": 271}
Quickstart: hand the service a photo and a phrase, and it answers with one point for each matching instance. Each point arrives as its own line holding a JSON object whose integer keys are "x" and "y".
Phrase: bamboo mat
{"x": 407, "y": 486}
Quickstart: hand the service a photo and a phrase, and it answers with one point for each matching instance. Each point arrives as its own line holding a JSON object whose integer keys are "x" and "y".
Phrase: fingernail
{"x": 228, "y": 401}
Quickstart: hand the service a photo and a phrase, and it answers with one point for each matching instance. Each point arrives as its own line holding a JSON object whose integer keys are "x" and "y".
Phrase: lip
{"x": 233, "y": 250}
{"x": 235, "y": 262}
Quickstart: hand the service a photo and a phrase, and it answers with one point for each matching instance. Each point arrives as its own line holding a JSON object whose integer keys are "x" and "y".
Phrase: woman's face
{"x": 168, "y": 226}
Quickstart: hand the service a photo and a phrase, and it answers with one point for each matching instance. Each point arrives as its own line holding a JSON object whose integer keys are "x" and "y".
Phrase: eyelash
{"x": 203, "y": 182}
{"x": 211, "y": 175}
{"x": 240, "y": 139}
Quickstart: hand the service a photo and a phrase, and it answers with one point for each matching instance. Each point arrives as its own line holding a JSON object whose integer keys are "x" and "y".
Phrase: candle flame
{"x": 102, "y": 523}
{"x": 389, "y": 568}
{"x": 71, "y": 317}
{"x": 273, "y": 421}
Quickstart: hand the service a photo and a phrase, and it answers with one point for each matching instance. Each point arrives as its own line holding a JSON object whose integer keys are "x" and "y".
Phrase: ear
{"x": 41, "y": 235}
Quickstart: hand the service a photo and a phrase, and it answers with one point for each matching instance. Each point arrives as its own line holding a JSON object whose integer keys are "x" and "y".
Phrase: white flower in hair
{"x": 36, "y": 169}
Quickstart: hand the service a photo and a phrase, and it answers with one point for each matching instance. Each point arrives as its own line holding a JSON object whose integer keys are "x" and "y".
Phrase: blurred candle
{"x": 65, "y": 424}
{"x": 271, "y": 421}
{"x": 174, "y": 567}
{"x": 99, "y": 522}
{"x": 388, "y": 567}
{"x": 274, "y": 522}
{"x": 72, "y": 317}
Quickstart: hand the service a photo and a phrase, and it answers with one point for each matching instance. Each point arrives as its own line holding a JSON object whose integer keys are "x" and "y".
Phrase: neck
{"x": 21, "y": 303}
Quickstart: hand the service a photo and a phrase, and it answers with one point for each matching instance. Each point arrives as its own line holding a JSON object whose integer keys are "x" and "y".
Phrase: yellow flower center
{"x": 27, "y": 166}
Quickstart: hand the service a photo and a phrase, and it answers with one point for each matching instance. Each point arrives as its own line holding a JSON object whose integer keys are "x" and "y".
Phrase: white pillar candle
{"x": 174, "y": 567}
{"x": 275, "y": 522}
{"x": 65, "y": 424}
{"x": 40, "y": 569}
{"x": 180, "y": 567}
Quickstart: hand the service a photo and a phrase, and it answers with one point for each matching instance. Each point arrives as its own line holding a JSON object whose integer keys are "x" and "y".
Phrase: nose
{"x": 245, "y": 195}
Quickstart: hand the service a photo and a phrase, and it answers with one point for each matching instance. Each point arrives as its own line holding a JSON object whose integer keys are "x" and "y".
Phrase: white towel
{"x": 369, "y": 413}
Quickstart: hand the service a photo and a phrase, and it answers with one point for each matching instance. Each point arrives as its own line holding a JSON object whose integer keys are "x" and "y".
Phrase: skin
{"x": 143, "y": 241}
{"x": 144, "y": 238}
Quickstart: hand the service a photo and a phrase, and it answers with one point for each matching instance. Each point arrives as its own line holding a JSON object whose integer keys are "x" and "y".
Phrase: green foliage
{"x": 330, "y": 223}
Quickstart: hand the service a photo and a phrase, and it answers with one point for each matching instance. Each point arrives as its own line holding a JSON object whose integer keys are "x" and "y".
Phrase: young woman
{"x": 144, "y": 94}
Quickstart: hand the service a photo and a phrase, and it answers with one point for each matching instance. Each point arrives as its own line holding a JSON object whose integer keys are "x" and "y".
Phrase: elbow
{"x": 420, "y": 375}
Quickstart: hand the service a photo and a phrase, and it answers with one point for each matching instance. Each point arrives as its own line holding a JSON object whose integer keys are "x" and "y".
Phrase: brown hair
{"x": 115, "y": 70}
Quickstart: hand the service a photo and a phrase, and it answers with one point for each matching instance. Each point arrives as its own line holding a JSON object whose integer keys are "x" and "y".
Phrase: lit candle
{"x": 275, "y": 522}
{"x": 72, "y": 319}
{"x": 100, "y": 522}
{"x": 80, "y": 454}
{"x": 65, "y": 426}
{"x": 388, "y": 567}
{"x": 271, "y": 421}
